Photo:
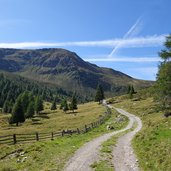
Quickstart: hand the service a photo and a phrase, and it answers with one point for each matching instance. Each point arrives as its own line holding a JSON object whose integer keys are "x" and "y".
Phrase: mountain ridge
{"x": 65, "y": 69}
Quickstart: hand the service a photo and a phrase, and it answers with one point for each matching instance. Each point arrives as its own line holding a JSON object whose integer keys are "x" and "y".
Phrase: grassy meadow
{"x": 57, "y": 120}
{"x": 153, "y": 143}
{"x": 52, "y": 155}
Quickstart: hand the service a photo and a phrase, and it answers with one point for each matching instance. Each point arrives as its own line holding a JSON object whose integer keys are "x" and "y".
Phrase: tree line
{"x": 27, "y": 105}
{"x": 12, "y": 87}
{"x": 163, "y": 83}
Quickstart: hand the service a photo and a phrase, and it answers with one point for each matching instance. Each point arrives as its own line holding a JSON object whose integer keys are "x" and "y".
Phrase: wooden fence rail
{"x": 21, "y": 138}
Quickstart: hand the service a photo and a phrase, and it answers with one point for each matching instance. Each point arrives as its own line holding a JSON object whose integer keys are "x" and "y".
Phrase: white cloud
{"x": 125, "y": 59}
{"x": 149, "y": 41}
{"x": 134, "y": 30}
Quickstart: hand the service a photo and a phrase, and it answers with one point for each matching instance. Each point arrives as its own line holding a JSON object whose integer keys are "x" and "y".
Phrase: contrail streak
{"x": 131, "y": 32}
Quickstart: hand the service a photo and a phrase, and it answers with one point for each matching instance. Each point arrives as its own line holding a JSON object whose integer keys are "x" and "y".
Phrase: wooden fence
{"x": 25, "y": 138}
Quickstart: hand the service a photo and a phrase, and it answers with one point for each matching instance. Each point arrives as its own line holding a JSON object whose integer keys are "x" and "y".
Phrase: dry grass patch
{"x": 57, "y": 120}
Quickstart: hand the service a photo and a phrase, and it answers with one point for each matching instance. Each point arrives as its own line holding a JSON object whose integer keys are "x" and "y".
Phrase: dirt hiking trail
{"x": 124, "y": 158}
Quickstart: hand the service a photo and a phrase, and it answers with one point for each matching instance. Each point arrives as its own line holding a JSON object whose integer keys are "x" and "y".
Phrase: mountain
{"x": 65, "y": 70}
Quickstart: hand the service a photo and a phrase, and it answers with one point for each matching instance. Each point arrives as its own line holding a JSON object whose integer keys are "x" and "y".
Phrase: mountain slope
{"x": 65, "y": 69}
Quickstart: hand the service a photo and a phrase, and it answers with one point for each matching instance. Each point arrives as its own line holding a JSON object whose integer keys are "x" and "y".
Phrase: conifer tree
{"x": 129, "y": 88}
{"x": 38, "y": 104}
{"x": 163, "y": 90}
{"x": 65, "y": 105}
{"x": 30, "y": 110}
{"x": 53, "y": 107}
{"x": 25, "y": 100}
{"x": 73, "y": 104}
{"x": 17, "y": 112}
{"x": 131, "y": 92}
{"x": 99, "y": 94}
{"x": 5, "y": 107}
{"x": 62, "y": 103}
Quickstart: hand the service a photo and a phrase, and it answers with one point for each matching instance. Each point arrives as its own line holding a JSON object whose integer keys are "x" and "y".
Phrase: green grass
{"x": 153, "y": 143}
{"x": 49, "y": 155}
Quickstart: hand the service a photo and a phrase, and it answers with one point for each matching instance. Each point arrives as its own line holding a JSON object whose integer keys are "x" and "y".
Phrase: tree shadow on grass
{"x": 73, "y": 113}
{"x": 37, "y": 123}
{"x": 44, "y": 116}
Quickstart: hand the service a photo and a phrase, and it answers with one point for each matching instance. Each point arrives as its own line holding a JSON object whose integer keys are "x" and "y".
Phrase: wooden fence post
{"x": 52, "y": 136}
{"x": 62, "y": 133}
{"x": 85, "y": 128}
{"x": 70, "y": 132}
{"x": 14, "y": 139}
{"x": 78, "y": 131}
{"x": 37, "y": 136}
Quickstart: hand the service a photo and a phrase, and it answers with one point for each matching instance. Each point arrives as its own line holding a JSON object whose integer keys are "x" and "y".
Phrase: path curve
{"x": 123, "y": 157}
{"x": 89, "y": 152}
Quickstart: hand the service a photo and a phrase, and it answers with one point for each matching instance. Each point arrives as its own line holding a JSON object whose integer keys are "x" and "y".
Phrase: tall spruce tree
{"x": 25, "y": 101}
{"x": 30, "y": 110}
{"x": 5, "y": 107}
{"x": 17, "y": 112}
{"x": 164, "y": 76}
{"x": 38, "y": 104}
{"x": 131, "y": 91}
{"x": 99, "y": 94}
{"x": 128, "y": 89}
{"x": 73, "y": 104}
{"x": 65, "y": 106}
{"x": 53, "y": 107}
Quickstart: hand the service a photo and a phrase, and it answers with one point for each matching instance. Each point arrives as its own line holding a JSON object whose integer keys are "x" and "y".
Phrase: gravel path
{"x": 124, "y": 159}
{"x": 89, "y": 152}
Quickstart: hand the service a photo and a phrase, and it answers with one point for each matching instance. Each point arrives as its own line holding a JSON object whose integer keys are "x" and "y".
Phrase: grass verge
{"x": 153, "y": 143}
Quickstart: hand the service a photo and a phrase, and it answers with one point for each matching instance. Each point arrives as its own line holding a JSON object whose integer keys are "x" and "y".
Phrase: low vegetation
{"x": 153, "y": 143}
{"x": 53, "y": 154}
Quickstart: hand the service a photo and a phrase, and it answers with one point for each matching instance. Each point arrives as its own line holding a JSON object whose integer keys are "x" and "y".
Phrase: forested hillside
{"x": 11, "y": 86}
{"x": 66, "y": 70}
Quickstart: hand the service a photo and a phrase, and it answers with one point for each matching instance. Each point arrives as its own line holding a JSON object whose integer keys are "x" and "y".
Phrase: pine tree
{"x": 62, "y": 103}
{"x": 166, "y": 53}
{"x": 25, "y": 100}
{"x": 38, "y": 104}
{"x": 129, "y": 89}
{"x": 131, "y": 92}
{"x": 17, "y": 112}
{"x": 30, "y": 110}
{"x": 99, "y": 94}
{"x": 5, "y": 107}
{"x": 53, "y": 107}
{"x": 163, "y": 90}
{"x": 73, "y": 104}
{"x": 65, "y": 105}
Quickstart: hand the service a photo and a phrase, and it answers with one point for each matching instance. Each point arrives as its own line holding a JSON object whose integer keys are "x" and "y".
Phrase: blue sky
{"x": 121, "y": 34}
